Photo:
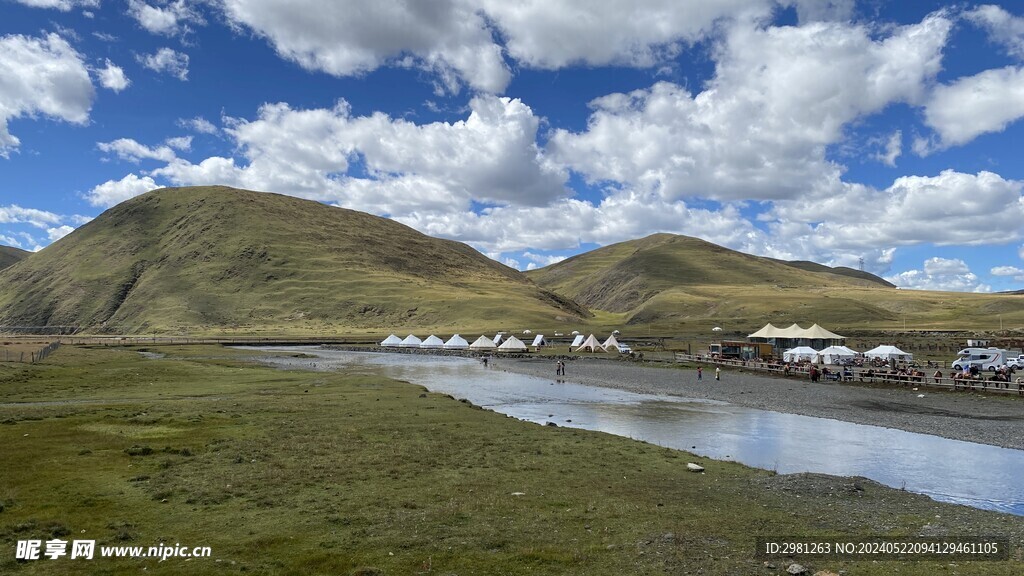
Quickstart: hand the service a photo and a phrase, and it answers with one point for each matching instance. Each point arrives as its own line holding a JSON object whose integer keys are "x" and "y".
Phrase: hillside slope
{"x": 10, "y": 255}
{"x": 214, "y": 259}
{"x": 668, "y": 280}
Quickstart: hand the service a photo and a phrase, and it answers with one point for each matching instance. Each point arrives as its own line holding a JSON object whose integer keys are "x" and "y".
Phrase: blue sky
{"x": 828, "y": 130}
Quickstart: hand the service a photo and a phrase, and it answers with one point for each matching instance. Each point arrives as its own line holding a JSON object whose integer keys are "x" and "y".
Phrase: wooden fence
{"x": 858, "y": 374}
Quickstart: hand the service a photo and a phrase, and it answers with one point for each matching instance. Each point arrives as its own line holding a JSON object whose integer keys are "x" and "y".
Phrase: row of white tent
{"x": 592, "y": 344}
{"x": 836, "y": 354}
{"x": 456, "y": 342}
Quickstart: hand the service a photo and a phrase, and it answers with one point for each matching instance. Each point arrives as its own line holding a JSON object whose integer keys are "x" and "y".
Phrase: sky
{"x": 873, "y": 134}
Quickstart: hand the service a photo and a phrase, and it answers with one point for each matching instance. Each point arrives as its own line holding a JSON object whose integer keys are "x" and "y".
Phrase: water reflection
{"x": 949, "y": 470}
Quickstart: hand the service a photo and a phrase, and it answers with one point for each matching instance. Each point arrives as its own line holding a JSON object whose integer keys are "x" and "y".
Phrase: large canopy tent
{"x": 799, "y": 354}
{"x": 836, "y": 354}
{"x": 577, "y": 341}
{"x": 411, "y": 342}
{"x": 794, "y": 335}
{"x": 886, "y": 352}
{"x": 590, "y": 343}
{"x": 483, "y": 343}
{"x": 513, "y": 344}
{"x": 539, "y": 340}
{"x": 391, "y": 341}
{"x": 611, "y": 344}
{"x": 432, "y": 342}
{"x": 456, "y": 342}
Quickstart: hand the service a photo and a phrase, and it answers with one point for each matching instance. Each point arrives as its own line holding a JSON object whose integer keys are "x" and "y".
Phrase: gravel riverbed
{"x": 970, "y": 416}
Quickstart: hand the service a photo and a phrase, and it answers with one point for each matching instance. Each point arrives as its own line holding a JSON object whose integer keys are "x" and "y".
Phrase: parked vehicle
{"x": 623, "y": 349}
{"x": 990, "y": 359}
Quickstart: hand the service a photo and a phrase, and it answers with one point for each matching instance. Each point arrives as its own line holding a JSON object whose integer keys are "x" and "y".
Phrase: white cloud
{"x": 183, "y": 143}
{"x": 779, "y": 98}
{"x": 41, "y": 76}
{"x": 132, "y": 151}
{"x": 62, "y": 5}
{"x": 10, "y": 241}
{"x": 1003, "y": 28}
{"x": 1018, "y": 273}
{"x": 491, "y": 156}
{"x": 952, "y": 208}
{"x": 198, "y": 124}
{"x": 941, "y": 274}
{"x": 112, "y": 77}
{"x": 974, "y": 105}
{"x": 112, "y": 192}
{"x": 168, "y": 19}
{"x": 168, "y": 61}
{"x": 541, "y": 259}
{"x": 14, "y": 214}
{"x": 59, "y": 232}
{"x": 345, "y": 38}
{"x": 893, "y": 149}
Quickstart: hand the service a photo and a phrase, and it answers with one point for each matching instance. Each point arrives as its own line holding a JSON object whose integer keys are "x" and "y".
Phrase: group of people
{"x": 700, "y": 373}
{"x": 560, "y": 368}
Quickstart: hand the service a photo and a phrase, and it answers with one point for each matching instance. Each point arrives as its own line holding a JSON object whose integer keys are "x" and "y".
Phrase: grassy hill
{"x": 10, "y": 256}
{"x": 217, "y": 259}
{"x": 674, "y": 282}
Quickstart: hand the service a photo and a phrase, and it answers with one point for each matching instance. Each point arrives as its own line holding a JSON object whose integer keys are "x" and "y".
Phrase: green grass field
{"x": 329, "y": 473}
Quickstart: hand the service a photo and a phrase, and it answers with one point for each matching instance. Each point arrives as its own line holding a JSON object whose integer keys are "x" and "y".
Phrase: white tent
{"x": 611, "y": 344}
{"x": 432, "y": 342}
{"x": 539, "y": 340}
{"x": 513, "y": 344}
{"x": 498, "y": 338}
{"x": 482, "y": 343}
{"x": 527, "y": 331}
{"x": 816, "y": 332}
{"x": 886, "y": 352}
{"x": 456, "y": 342}
{"x": 578, "y": 340}
{"x": 590, "y": 343}
{"x": 391, "y": 341}
{"x": 799, "y": 353}
{"x": 716, "y": 329}
{"x": 410, "y": 342}
{"x": 575, "y": 332}
{"x": 836, "y": 354}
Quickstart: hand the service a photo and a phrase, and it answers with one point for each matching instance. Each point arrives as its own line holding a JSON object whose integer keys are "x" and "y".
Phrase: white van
{"x": 984, "y": 358}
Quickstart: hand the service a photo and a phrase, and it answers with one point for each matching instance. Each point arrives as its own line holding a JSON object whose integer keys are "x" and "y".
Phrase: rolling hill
{"x": 10, "y": 256}
{"x": 667, "y": 281}
{"x": 218, "y": 259}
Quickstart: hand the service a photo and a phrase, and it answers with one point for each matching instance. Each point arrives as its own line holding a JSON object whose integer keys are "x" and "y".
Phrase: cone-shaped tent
{"x": 391, "y": 341}
{"x": 456, "y": 342}
{"x": 577, "y": 340}
{"x": 482, "y": 343}
{"x": 539, "y": 340}
{"x": 411, "y": 342}
{"x": 590, "y": 343}
{"x": 611, "y": 344}
{"x": 432, "y": 342}
{"x": 513, "y": 344}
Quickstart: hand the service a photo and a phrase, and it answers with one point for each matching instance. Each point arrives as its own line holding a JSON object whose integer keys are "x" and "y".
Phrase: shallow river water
{"x": 976, "y": 475}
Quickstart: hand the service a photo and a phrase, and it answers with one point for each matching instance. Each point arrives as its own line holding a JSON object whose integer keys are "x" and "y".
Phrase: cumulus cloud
{"x": 168, "y": 19}
{"x": 941, "y": 274}
{"x": 41, "y": 76}
{"x": 1003, "y": 28}
{"x": 779, "y": 98}
{"x": 112, "y": 192}
{"x": 132, "y": 151}
{"x": 62, "y": 5}
{"x": 167, "y": 61}
{"x": 182, "y": 143}
{"x": 59, "y": 232}
{"x": 113, "y": 77}
{"x": 14, "y": 214}
{"x": 952, "y": 208}
{"x": 986, "y": 102}
{"x": 491, "y": 156}
{"x": 1015, "y": 272}
{"x": 345, "y": 38}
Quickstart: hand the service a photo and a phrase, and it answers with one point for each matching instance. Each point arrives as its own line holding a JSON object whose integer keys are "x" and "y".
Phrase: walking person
{"x": 718, "y": 373}
{"x": 700, "y": 373}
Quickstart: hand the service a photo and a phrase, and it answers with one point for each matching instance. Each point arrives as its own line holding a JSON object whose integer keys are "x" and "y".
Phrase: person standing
{"x": 700, "y": 373}
{"x": 718, "y": 373}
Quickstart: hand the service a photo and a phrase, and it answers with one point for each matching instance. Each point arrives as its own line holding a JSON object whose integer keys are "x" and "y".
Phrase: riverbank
{"x": 968, "y": 416}
{"x": 350, "y": 473}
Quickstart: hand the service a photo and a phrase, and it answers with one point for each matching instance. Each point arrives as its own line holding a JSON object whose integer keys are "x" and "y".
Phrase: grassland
{"x": 10, "y": 255}
{"x": 324, "y": 473}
